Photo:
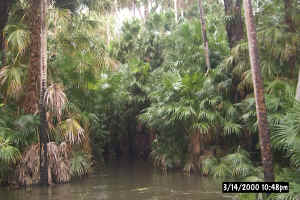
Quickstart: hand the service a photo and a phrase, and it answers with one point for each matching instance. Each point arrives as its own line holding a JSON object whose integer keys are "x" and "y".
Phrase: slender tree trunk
{"x": 43, "y": 87}
{"x": 234, "y": 27}
{"x": 204, "y": 35}
{"x": 263, "y": 126}
{"x": 4, "y": 10}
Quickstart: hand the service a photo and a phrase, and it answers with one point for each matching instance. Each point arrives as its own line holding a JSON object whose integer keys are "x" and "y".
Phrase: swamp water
{"x": 125, "y": 181}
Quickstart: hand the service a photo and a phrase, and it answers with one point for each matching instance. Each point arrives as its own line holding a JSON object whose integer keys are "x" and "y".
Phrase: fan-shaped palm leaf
{"x": 79, "y": 164}
{"x": 8, "y": 154}
{"x": 11, "y": 81}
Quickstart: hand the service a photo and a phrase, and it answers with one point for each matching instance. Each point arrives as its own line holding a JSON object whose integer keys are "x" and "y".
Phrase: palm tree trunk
{"x": 43, "y": 86}
{"x": 263, "y": 126}
{"x": 234, "y": 27}
{"x": 204, "y": 35}
{"x": 37, "y": 78}
{"x": 30, "y": 103}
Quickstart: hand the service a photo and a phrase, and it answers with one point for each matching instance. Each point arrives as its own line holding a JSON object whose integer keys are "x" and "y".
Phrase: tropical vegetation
{"x": 209, "y": 87}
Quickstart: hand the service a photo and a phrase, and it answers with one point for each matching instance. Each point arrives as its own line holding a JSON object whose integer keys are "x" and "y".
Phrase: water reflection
{"x": 124, "y": 181}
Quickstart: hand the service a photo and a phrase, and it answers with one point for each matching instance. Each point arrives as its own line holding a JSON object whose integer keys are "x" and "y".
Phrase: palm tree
{"x": 37, "y": 76}
{"x": 204, "y": 35}
{"x": 263, "y": 126}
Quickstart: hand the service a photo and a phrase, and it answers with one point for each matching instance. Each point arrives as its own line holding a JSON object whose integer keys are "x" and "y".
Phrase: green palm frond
{"x": 18, "y": 38}
{"x": 286, "y": 136}
{"x": 238, "y": 163}
{"x": 231, "y": 128}
{"x": 8, "y": 154}
{"x": 202, "y": 127}
{"x": 11, "y": 81}
{"x": 237, "y": 158}
{"x": 208, "y": 164}
{"x": 221, "y": 171}
{"x": 280, "y": 87}
{"x": 80, "y": 164}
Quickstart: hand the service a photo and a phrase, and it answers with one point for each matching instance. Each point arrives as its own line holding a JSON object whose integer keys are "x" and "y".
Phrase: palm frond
{"x": 71, "y": 130}
{"x": 56, "y": 99}
{"x": 11, "y": 81}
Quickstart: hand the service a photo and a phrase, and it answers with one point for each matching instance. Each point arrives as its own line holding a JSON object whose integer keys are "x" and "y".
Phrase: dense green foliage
{"x": 151, "y": 80}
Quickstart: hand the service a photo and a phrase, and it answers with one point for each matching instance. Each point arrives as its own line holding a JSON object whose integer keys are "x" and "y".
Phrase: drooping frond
{"x": 11, "y": 81}
{"x": 71, "y": 130}
{"x": 18, "y": 38}
{"x": 56, "y": 99}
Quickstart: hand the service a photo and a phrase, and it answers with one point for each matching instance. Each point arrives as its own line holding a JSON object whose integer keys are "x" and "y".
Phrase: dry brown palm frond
{"x": 65, "y": 150}
{"x": 246, "y": 83}
{"x": 86, "y": 145}
{"x": 58, "y": 164}
{"x": 28, "y": 168}
{"x": 56, "y": 99}
{"x": 51, "y": 123}
{"x": 53, "y": 152}
{"x": 86, "y": 125}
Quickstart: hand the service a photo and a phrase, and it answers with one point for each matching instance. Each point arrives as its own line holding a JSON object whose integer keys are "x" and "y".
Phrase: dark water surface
{"x": 124, "y": 181}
